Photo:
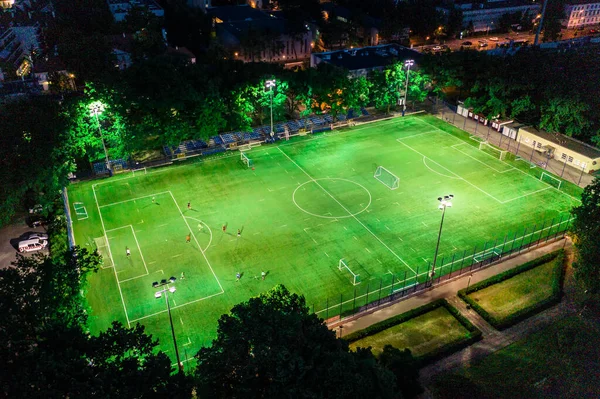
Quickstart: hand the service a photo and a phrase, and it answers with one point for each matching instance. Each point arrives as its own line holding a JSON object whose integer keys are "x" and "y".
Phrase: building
{"x": 560, "y": 147}
{"x": 18, "y": 44}
{"x": 581, "y": 13}
{"x": 361, "y": 61}
{"x": 485, "y": 15}
{"x": 253, "y": 35}
{"x": 120, "y": 8}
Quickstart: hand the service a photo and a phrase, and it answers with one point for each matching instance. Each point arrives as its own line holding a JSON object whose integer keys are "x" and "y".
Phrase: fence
{"x": 393, "y": 287}
{"x": 70, "y": 235}
{"x": 530, "y": 158}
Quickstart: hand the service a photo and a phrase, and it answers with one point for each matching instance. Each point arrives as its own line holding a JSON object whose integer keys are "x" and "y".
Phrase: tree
{"x": 387, "y": 85}
{"x": 405, "y": 367}
{"x": 271, "y": 347}
{"x": 455, "y": 22}
{"x": 565, "y": 115}
{"x": 586, "y": 230}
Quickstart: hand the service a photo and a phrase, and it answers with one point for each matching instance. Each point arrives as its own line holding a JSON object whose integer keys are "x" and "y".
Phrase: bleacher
{"x": 219, "y": 143}
{"x": 100, "y": 167}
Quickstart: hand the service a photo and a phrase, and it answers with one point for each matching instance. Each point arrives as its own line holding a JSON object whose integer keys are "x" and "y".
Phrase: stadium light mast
{"x": 445, "y": 202}
{"x": 158, "y": 295}
{"x": 270, "y": 84}
{"x": 96, "y": 108}
{"x": 407, "y": 64}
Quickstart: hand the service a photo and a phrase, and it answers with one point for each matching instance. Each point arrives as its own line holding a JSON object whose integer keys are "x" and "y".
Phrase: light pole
{"x": 96, "y": 108}
{"x": 270, "y": 84}
{"x": 407, "y": 64}
{"x": 158, "y": 295}
{"x": 445, "y": 202}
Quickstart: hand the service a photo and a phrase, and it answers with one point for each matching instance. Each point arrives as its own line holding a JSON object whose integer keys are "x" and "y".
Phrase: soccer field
{"x": 306, "y": 204}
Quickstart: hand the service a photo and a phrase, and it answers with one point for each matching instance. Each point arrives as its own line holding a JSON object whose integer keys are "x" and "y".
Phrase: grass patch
{"x": 561, "y": 361}
{"x": 516, "y": 294}
{"x": 430, "y": 331}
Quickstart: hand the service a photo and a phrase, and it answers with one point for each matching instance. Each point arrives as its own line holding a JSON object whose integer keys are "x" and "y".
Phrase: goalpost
{"x": 551, "y": 180}
{"x": 244, "y": 158}
{"x": 486, "y": 147}
{"x": 386, "y": 177}
{"x": 355, "y": 279}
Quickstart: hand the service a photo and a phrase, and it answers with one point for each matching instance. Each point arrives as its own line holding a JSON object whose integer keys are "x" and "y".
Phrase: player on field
{"x": 189, "y": 205}
{"x": 239, "y": 233}
{"x": 238, "y": 276}
{"x": 188, "y": 238}
{"x": 127, "y": 251}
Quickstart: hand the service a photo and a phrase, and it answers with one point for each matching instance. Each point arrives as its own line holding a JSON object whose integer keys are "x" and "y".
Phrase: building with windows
{"x": 581, "y": 13}
{"x": 560, "y": 147}
{"x": 484, "y": 15}
{"x": 120, "y": 8}
{"x": 253, "y": 35}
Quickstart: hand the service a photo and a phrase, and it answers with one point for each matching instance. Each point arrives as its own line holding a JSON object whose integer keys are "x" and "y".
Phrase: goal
{"x": 490, "y": 255}
{"x": 551, "y": 180}
{"x": 495, "y": 152}
{"x": 247, "y": 161}
{"x": 244, "y": 147}
{"x": 386, "y": 177}
{"x": 354, "y": 278}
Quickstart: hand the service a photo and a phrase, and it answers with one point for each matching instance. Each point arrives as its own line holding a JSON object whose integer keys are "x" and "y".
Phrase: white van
{"x": 31, "y": 245}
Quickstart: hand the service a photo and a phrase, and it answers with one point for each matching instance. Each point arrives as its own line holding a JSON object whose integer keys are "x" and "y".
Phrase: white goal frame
{"x": 489, "y": 253}
{"x": 552, "y": 177}
{"x": 501, "y": 154}
{"x": 395, "y": 183}
{"x": 355, "y": 280}
{"x": 244, "y": 147}
{"x": 244, "y": 158}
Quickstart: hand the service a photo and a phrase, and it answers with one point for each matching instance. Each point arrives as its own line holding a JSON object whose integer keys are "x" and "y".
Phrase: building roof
{"x": 237, "y": 13}
{"x": 567, "y": 142}
{"x": 369, "y": 57}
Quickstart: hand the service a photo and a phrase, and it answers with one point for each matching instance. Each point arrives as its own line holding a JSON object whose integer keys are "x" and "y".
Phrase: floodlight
{"x": 172, "y": 289}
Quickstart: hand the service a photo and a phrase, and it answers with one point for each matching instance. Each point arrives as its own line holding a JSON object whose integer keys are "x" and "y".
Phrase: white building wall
{"x": 581, "y": 15}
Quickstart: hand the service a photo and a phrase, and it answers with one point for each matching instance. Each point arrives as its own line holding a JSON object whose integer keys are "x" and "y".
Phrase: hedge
{"x": 473, "y": 336}
{"x": 516, "y": 317}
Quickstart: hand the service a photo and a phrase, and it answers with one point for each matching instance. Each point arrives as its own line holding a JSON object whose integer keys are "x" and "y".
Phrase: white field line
{"x": 525, "y": 173}
{"x": 111, "y": 257}
{"x": 436, "y": 172}
{"x": 139, "y": 249}
{"x": 209, "y": 230}
{"x": 483, "y": 163}
{"x": 462, "y": 178}
{"x": 197, "y": 243}
{"x": 345, "y": 209}
{"x": 526, "y": 195}
{"x": 176, "y": 307}
{"x": 134, "y": 199}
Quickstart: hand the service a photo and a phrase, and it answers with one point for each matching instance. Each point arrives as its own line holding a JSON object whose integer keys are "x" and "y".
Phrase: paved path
{"x": 444, "y": 290}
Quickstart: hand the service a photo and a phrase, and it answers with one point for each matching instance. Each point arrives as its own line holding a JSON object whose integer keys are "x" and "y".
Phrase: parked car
{"x": 437, "y": 48}
{"x": 593, "y": 31}
{"x": 494, "y": 39}
{"x": 483, "y": 44}
{"x": 35, "y": 235}
{"x": 32, "y": 245}
{"x": 36, "y": 221}
{"x": 467, "y": 43}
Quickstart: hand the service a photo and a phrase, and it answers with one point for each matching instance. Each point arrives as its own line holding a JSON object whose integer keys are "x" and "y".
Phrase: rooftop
{"x": 368, "y": 57}
{"x": 566, "y": 141}
{"x": 238, "y": 13}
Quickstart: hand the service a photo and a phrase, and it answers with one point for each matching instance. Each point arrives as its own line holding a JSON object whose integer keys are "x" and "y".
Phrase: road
{"x": 493, "y": 39}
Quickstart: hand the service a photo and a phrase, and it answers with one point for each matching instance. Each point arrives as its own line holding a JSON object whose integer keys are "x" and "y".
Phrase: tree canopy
{"x": 271, "y": 346}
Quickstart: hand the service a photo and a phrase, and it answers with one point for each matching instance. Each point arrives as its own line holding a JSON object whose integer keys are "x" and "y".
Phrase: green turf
{"x": 517, "y": 293}
{"x": 308, "y": 203}
{"x": 421, "y": 334}
{"x": 560, "y": 361}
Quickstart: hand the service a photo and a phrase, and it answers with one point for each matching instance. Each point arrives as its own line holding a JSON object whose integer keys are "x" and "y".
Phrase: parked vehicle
{"x": 437, "y": 48}
{"x": 32, "y": 245}
{"x": 36, "y": 235}
{"x": 494, "y": 39}
{"x": 467, "y": 43}
{"x": 483, "y": 44}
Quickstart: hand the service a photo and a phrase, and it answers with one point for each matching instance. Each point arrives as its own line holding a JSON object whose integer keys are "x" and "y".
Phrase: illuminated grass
{"x": 308, "y": 203}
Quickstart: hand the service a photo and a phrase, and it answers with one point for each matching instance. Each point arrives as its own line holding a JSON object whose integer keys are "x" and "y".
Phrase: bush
{"x": 522, "y": 314}
{"x": 473, "y": 336}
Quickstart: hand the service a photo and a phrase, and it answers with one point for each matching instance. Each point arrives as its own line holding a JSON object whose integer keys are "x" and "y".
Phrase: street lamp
{"x": 445, "y": 202}
{"x": 407, "y": 64}
{"x": 158, "y": 295}
{"x": 96, "y": 108}
{"x": 270, "y": 84}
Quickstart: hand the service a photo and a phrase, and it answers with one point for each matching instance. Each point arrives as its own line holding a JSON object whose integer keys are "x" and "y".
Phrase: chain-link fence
{"x": 392, "y": 287}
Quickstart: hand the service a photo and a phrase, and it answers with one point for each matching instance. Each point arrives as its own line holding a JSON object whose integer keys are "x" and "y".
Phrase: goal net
{"x": 386, "y": 177}
{"x": 244, "y": 158}
{"x": 493, "y": 151}
{"x": 354, "y": 278}
{"x": 551, "y": 180}
{"x": 490, "y": 254}
{"x": 244, "y": 147}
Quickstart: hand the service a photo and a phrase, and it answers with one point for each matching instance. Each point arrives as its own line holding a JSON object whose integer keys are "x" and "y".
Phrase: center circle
{"x": 332, "y": 198}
